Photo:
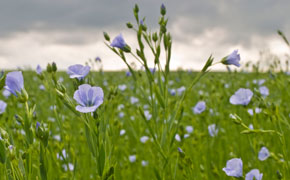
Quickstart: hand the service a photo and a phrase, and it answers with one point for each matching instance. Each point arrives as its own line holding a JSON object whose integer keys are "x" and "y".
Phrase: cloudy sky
{"x": 71, "y": 31}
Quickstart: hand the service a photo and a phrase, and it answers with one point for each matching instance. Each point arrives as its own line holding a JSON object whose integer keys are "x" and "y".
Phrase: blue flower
{"x": 257, "y": 111}
{"x": 264, "y": 91}
{"x": 241, "y": 97}
{"x": 254, "y": 173}
{"x": 122, "y": 87}
{"x": 37, "y": 125}
{"x": 199, "y": 107}
{"x": 212, "y": 130}
{"x": 14, "y": 82}
{"x": 132, "y": 158}
{"x": 232, "y": 59}
{"x": 118, "y": 42}
{"x": 89, "y": 98}
{"x": 38, "y": 69}
{"x": 162, "y": 6}
{"x": 263, "y": 154}
{"x": 98, "y": 59}
{"x": 147, "y": 115}
{"x": 172, "y": 92}
{"x": 78, "y": 71}
{"x": 152, "y": 70}
{"x": 128, "y": 73}
{"x": 3, "y": 106}
{"x": 143, "y": 139}
{"x": 234, "y": 167}
{"x": 180, "y": 90}
{"x": 6, "y": 93}
{"x": 189, "y": 129}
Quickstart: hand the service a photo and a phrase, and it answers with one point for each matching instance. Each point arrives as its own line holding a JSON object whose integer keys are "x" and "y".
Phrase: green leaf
{"x": 2, "y": 152}
{"x": 102, "y": 160}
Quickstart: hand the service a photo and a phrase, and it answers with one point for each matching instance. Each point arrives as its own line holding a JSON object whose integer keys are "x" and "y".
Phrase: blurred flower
{"x": 121, "y": 106}
{"x": 78, "y": 71}
{"x": 143, "y": 139}
{"x": 177, "y": 137}
{"x": 251, "y": 126}
{"x": 172, "y": 92}
{"x": 6, "y": 93}
{"x": 3, "y": 106}
{"x": 234, "y": 167}
{"x": 122, "y": 87}
{"x": 144, "y": 163}
{"x": 241, "y": 97}
{"x": 146, "y": 106}
{"x": 132, "y": 158}
{"x": 134, "y": 100}
{"x": 37, "y": 125}
{"x": 89, "y": 98}
{"x": 105, "y": 83}
{"x": 264, "y": 91}
{"x": 232, "y": 59}
{"x": 14, "y": 82}
{"x": 70, "y": 166}
{"x": 38, "y": 69}
{"x": 199, "y": 107}
{"x": 122, "y": 132}
{"x": 263, "y": 154}
{"x": 57, "y": 137}
{"x": 257, "y": 111}
{"x": 254, "y": 174}
{"x": 121, "y": 114}
{"x": 261, "y": 81}
{"x": 98, "y": 59}
{"x": 60, "y": 79}
{"x": 189, "y": 129}
{"x": 147, "y": 115}
{"x": 118, "y": 42}
{"x": 152, "y": 70}
{"x": 128, "y": 73}
{"x": 180, "y": 90}
{"x": 212, "y": 130}
{"x": 186, "y": 136}
{"x": 41, "y": 87}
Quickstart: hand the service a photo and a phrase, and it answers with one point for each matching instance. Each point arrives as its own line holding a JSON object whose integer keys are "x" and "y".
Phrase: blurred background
{"x": 68, "y": 32}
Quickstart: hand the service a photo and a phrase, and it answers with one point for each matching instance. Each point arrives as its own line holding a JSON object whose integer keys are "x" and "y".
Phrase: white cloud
{"x": 27, "y": 49}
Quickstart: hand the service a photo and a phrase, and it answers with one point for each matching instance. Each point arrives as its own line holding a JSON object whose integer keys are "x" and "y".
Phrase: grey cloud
{"x": 239, "y": 17}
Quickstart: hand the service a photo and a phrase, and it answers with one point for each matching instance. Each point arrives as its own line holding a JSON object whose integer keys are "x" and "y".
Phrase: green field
{"x": 67, "y": 155}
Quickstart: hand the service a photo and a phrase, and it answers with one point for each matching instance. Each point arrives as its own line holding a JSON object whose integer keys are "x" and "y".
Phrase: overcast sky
{"x": 71, "y": 31}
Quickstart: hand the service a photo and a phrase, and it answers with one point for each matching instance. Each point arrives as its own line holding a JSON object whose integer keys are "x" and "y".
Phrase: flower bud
{"x": 129, "y": 25}
{"x": 155, "y": 37}
{"x": 126, "y": 49}
{"x": 136, "y": 8}
{"x": 48, "y": 68}
{"x": 54, "y": 67}
{"x": 106, "y": 36}
{"x": 162, "y": 10}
